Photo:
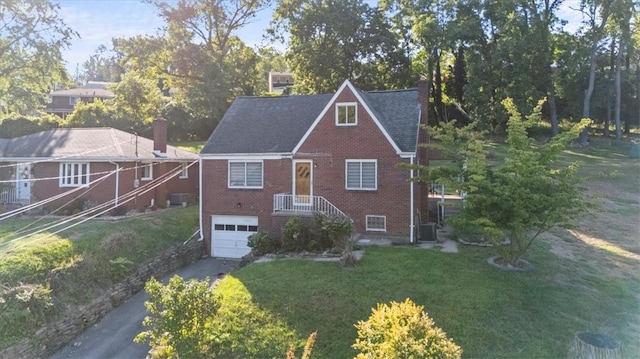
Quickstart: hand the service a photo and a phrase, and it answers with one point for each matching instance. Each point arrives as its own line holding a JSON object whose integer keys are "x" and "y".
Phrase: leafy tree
{"x": 180, "y": 314}
{"x": 31, "y": 38}
{"x": 199, "y": 54}
{"x": 330, "y": 41}
{"x": 92, "y": 114}
{"x": 137, "y": 102}
{"x": 402, "y": 330}
{"x": 526, "y": 196}
{"x": 102, "y": 66}
{"x": 14, "y": 125}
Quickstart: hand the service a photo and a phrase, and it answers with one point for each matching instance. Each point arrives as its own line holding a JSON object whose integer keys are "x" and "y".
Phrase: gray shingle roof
{"x": 256, "y": 125}
{"x": 85, "y": 92}
{"x": 398, "y": 113}
{"x": 86, "y": 144}
{"x": 265, "y": 124}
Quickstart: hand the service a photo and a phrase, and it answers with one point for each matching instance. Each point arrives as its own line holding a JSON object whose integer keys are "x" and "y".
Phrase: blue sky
{"x": 98, "y": 21}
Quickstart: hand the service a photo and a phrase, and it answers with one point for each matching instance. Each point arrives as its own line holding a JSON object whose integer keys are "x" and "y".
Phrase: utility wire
{"x": 123, "y": 199}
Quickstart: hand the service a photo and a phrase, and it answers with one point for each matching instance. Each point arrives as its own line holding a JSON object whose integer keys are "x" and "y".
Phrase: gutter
{"x": 200, "y": 199}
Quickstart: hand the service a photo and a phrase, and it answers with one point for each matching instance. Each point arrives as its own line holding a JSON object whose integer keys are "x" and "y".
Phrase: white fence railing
{"x": 10, "y": 195}
{"x": 291, "y": 203}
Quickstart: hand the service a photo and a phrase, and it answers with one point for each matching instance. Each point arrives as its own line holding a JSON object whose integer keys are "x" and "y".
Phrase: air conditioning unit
{"x": 179, "y": 198}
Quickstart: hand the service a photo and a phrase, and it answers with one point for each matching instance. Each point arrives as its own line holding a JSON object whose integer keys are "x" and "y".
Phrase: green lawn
{"x": 488, "y": 312}
{"x": 191, "y": 146}
{"x": 585, "y": 279}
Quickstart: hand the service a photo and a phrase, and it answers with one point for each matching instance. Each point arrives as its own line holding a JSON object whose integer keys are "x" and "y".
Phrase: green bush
{"x": 402, "y": 330}
{"x": 295, "y": 235}
{"x": 263, "y": 243}
{"x": 22, "y": 310}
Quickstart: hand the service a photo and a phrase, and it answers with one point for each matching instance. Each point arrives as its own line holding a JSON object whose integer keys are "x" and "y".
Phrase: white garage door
{"x": 229, "y": 235}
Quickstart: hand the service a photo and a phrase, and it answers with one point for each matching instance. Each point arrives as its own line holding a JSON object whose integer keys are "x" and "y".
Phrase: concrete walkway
{"x": 444, "y": 242}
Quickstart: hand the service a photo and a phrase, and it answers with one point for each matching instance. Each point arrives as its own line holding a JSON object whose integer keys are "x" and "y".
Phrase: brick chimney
{"x": 160, "y": 135}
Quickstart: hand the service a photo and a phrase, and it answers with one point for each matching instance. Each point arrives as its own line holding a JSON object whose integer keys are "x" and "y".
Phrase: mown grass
{"x": 490, "y": 313}
{"x": 191, "y": 146}
{"x": 78, "y": 264}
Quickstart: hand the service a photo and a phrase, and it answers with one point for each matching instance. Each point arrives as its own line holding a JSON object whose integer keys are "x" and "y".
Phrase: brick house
{"x": 274, "y": 157}
{"x": 62, "y": 102}
{"x": 93, "y": 166}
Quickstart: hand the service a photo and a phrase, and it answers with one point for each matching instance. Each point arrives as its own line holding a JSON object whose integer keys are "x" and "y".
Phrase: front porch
{"x": 289, "y": 204}
{"x": 11, "y": 196}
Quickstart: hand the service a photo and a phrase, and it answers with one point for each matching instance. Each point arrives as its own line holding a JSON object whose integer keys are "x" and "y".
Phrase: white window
{"x": 184, "y": 171}
{"x": 146, "y": 172}
{"x": 73, "y": 100}
{"x": 74, "y": 174}
{"x": 346, "y": 114}
{"x": 376, "y": 223}
{"x": 361, "y": 174}
{"x": 244, "y": 174}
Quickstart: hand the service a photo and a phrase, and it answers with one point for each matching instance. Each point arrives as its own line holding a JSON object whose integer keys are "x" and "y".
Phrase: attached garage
{"x": 230, "y": 234}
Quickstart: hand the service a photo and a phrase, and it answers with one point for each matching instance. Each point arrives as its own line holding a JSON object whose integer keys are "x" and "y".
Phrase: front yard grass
{"x": 488, "y": 312}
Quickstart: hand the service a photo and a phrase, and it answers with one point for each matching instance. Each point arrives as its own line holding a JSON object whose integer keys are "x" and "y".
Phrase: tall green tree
{"x": 103, "y": 65}
{"x": 527, "y": 195}
{"x": 330, "y": 41}
{"x": 32, "y": 35}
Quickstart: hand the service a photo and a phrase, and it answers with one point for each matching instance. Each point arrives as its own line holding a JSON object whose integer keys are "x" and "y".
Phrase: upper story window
{"x": 147, "y": 172}
{"x": 346, "y": 114}
{"x": 74, "y": 174}
{"x": 245, "y": 174}
{"x": 73, "y": 100}
{"x": 361, "y": 175}
{"x": 184, "y": 171}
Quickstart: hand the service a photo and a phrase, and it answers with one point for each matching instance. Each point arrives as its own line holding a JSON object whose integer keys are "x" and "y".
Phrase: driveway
{"x": 112, "y": 337}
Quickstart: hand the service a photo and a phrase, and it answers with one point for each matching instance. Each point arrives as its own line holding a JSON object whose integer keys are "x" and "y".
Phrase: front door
{"x": 302, "y": 182}
{"x": 23, "y": 183}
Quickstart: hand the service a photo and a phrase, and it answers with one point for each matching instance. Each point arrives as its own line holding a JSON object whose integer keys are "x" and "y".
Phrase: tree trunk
{"x": 618, "y": 90}
{"x": 589, "y": 91}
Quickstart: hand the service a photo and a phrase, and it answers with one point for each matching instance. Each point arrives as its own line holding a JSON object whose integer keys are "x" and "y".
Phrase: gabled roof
{"x": 86, "y": 144}
{"x": 257, "y": 125}
{"x": 279, "y": 125}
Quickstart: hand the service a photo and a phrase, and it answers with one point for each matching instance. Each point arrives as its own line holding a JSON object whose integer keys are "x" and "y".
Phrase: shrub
{"x": 402, "y": 330}
{"x": 295, "y": 235}
{"x": 262, "y": 243}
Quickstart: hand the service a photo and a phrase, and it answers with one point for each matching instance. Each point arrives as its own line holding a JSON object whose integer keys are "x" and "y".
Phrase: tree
{"x": 102, "y": 66}
{"x": 526, "y": 196}
{"x": 32, "y": 35}
{"x": 179, "y": 313}
{"x": 330, "y": 41}
{"x": 402, "y": 330}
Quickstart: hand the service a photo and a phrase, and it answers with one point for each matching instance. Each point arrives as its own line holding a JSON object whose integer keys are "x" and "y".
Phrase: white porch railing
{"x": 10, "y": 195}
{"x": 291, "y": 203}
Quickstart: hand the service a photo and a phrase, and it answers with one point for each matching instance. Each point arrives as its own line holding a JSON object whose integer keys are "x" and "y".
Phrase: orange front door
{"x": 303, "y": 182}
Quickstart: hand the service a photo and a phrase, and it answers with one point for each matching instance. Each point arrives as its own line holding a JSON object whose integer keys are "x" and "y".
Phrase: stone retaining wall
{"x": 55, "y": 335}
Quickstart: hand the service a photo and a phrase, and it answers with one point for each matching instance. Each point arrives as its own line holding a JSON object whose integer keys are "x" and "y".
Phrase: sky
{"x": 98, "y": 21}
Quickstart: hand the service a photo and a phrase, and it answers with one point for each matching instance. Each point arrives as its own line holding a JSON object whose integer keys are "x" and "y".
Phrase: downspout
{"x": 412, "y": 225}
{"x": 200, "y": 198}
{"x": 117, "y": 189}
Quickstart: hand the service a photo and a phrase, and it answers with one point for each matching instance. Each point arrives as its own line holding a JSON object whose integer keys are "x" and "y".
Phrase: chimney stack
{"x": 160, "y": 135}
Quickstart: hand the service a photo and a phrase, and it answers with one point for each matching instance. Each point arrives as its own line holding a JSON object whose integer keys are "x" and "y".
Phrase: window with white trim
{"x": 146, "y": 172}
{"x": 73, "y": 100}
{"x": 245, "y": 174}
{"x": 376, "y": 223}
{"x": 361, "y": 175}
{"x": 184, "y": 171}
{"x": 74, "y": 174}
{"x": 346, "y": 114}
